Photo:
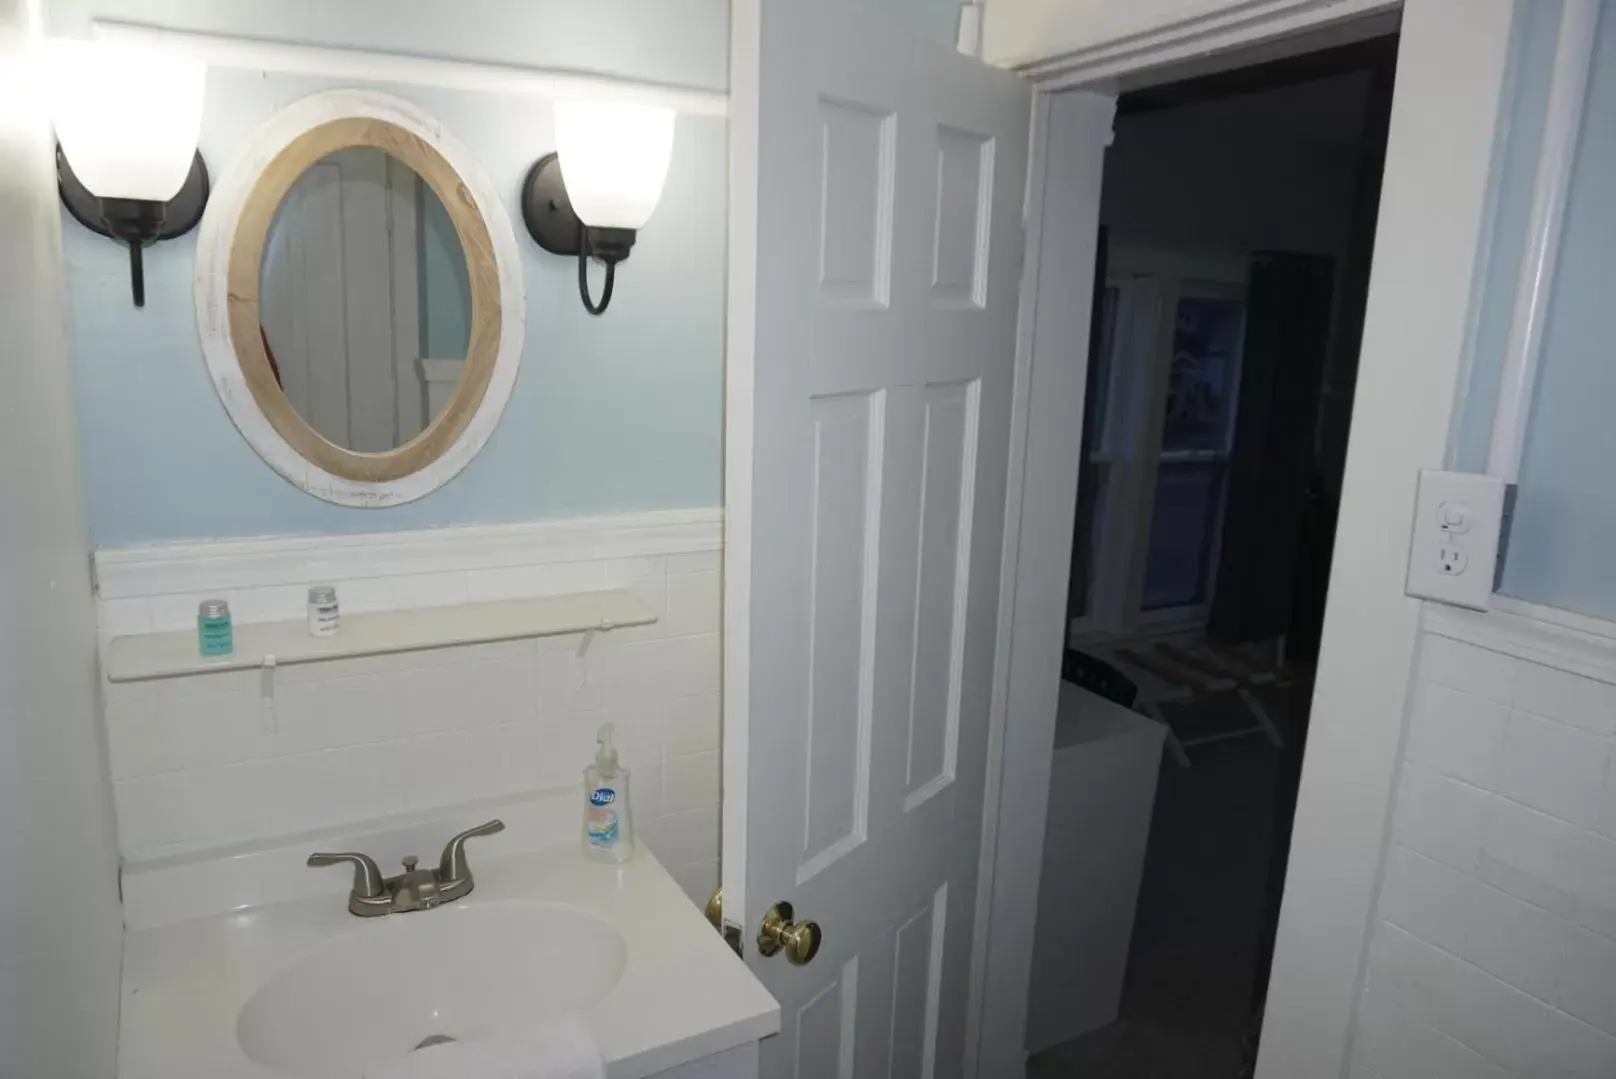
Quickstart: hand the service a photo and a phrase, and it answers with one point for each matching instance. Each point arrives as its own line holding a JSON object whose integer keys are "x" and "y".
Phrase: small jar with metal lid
{"x": 324, "y": 617}
{"x": 214, "y": 635}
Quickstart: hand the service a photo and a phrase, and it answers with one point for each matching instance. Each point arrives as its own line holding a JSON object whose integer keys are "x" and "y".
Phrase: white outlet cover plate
{"x": 1453, "y": 558}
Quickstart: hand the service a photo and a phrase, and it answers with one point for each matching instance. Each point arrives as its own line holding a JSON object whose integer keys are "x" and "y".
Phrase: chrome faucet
{"x": 414, "y": 889}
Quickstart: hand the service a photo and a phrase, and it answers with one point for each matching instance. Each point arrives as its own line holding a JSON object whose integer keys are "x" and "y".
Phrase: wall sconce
{"x": 590, "y": 197}
{"x": 127, "y": 122}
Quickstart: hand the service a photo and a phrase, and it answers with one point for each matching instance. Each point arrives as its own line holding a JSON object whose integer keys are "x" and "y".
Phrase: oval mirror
{"x": 364, "y": 300}
{"x": 366, "y": 344}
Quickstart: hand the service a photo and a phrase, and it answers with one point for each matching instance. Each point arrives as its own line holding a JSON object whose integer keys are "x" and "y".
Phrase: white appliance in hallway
{"x": 1102, "y": 791}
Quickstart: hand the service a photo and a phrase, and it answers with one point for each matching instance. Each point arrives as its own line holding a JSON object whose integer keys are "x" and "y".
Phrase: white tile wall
{"x": 207, "y": 762}
{"x": 1494, "y": 950}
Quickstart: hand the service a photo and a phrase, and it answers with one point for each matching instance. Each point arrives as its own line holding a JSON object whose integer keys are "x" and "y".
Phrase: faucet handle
{"x": 453, "y": 865}
{"x": 367, "y": 883}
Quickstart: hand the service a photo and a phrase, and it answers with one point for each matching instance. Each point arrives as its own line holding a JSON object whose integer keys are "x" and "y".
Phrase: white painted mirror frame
{"x": 217, "y": 233}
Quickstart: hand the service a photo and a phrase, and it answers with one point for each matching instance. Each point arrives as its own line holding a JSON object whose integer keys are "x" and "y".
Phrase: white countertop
{"x": 683, "y": 995}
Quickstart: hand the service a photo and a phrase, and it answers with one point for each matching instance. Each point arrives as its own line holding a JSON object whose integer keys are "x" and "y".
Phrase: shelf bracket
{"x": 269, "y": 722}
{"x": 583, "y": 644}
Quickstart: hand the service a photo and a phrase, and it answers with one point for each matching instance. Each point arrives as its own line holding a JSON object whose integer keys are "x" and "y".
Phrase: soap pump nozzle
{"x": 606, "y": 751}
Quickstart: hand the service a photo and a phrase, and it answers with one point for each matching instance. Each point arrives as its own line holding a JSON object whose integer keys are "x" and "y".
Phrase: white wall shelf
{"x": 146, "y": 656}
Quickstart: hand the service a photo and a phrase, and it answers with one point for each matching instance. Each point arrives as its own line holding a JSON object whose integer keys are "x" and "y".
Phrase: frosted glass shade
{"x": 614, "y": 159}
{"x": 127, "y": 118}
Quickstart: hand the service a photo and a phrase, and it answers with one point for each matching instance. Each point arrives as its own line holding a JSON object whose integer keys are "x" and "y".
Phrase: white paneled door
{"x": 870, "y": 387}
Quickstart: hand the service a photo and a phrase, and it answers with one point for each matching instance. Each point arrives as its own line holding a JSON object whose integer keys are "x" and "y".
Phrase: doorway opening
{"x": 1238, "y": 217}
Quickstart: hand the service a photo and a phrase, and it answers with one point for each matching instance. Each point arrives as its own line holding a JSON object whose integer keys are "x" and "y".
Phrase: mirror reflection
{"x": 365, "y": 300}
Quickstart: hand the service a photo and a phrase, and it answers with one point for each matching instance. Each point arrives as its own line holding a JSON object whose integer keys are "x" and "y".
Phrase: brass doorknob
{"x": 715, "y": 910}
{"x": 799, "y": 940}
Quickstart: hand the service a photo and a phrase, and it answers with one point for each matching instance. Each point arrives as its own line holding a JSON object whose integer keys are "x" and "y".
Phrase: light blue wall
{"x": 935, "y": 20}
{"x": 1565, "y": 513}
{"x": 1565, "y": 527}
{"x": 615, "y": 414}
{"x": 1536, "y": 24}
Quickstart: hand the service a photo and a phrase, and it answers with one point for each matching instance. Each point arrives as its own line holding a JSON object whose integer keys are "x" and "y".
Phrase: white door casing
{"x": 871, "y": 360}
{"x": 1072, "y": 131}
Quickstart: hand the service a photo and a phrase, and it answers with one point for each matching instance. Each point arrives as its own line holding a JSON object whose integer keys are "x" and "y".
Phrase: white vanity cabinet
{"x": 740, "y": 1062}
{"x": 301, "y": 986}
{"x": 1102, "y": 789}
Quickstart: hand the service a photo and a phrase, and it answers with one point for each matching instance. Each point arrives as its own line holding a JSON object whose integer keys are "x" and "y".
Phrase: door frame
{"x": 1431, "y": 242}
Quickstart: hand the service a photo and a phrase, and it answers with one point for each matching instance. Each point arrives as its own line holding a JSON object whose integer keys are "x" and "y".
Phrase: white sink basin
{"x": 298, "y": 988}
{"x": 472, "y": 971}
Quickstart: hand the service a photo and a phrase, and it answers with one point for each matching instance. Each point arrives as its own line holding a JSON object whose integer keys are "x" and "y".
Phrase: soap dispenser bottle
{"x": 608, "y": 818}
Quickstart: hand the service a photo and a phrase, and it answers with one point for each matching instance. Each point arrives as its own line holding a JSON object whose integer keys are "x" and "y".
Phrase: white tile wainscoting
{"x": 204, "y": 764}
{"x": 1493, "y": 952}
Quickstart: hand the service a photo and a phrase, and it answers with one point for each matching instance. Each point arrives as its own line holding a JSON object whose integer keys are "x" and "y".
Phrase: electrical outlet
{"x": 1452, "y": 560}
{"x": 1453, "y": 557}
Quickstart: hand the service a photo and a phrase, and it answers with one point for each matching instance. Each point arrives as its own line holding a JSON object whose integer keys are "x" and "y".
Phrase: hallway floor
{"x": 1185, "y": 1003}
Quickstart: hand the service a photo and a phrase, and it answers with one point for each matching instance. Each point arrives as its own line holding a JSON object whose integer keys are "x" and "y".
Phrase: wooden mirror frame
{"x": 235, "y": 230}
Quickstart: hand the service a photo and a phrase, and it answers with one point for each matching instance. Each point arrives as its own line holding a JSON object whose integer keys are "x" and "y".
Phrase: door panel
{"x": 846, "y": 496}
{"x": 964, "y": 216}
{"x": 917, "y": 962}
{"x": 945, "y": 487}
{"x": 826, "y": 1028}
{"x": 855, "y": 207}
{"x": 866, "y": 515}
